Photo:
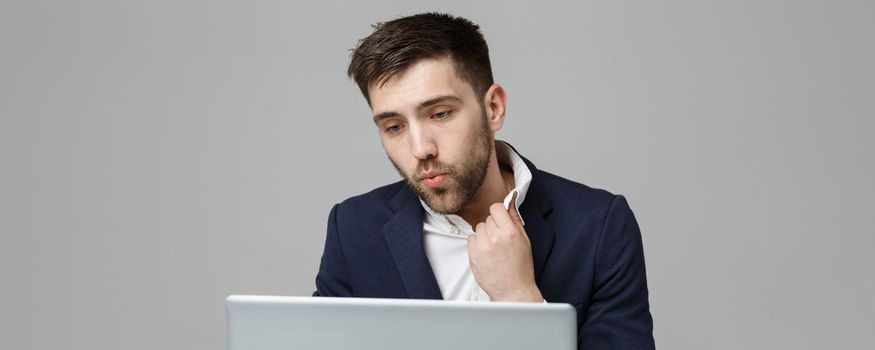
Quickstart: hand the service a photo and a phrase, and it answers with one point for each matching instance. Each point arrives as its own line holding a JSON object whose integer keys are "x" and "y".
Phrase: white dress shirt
{"x": 445, "y": 238}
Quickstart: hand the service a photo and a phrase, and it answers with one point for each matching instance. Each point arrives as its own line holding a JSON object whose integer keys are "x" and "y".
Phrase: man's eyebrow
{"x": 423, "y": 105}
{"x": 384, "y": 115}
{"x": 439, "y": 99}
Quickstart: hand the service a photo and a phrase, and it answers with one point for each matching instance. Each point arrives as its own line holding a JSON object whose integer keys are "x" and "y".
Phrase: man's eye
{"x": 441, "y": 115}
{"x": 393, "y": 129}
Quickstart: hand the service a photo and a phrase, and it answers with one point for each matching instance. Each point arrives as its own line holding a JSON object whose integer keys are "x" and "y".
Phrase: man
{"x": 473, "y": 220}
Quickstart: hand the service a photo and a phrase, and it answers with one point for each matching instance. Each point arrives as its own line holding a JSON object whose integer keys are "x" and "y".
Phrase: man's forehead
{"x": 421, "y": 82}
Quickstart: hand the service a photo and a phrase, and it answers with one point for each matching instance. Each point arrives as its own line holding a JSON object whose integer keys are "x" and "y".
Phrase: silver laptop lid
{"x": 268, "y": 323}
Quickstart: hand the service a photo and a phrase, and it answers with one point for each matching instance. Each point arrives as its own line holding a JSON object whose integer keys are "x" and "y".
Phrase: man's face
{"x": 434, "y": 130}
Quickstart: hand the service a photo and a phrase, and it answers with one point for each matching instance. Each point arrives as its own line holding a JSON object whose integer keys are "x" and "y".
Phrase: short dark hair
{"x": 397, "y": 44}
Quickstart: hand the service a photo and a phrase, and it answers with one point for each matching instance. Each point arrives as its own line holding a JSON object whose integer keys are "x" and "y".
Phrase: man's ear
{"x": 494, "y": 101}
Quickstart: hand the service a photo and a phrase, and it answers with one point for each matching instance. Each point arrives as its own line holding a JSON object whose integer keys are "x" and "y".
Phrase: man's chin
{"x": 439, "y": 201}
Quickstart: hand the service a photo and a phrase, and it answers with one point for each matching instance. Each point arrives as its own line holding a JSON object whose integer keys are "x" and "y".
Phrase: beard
{"x": 463, "y": 180}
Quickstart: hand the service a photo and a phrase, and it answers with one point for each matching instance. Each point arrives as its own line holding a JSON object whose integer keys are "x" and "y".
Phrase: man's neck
{"x": 498, "y": 183}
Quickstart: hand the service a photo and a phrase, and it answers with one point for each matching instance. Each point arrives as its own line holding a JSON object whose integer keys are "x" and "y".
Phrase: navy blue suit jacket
{"x": 586, "y": 247}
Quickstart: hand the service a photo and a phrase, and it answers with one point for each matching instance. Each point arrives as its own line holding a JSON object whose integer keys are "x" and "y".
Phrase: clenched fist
{"x": 501, "y": 256}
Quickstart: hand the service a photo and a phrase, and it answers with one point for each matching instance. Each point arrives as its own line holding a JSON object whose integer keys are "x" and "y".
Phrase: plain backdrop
{"x": 157, "y": 156}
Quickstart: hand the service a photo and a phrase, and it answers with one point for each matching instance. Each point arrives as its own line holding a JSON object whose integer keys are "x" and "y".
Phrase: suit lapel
{"x": 403, "y": 234}
{"x": 534, "y": 211}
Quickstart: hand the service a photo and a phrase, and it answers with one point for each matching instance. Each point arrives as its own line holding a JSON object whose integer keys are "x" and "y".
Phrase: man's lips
{"x": 433, "y": 179}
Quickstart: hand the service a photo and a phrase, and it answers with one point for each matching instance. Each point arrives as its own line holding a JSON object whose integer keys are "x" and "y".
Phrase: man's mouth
{"x": 433, "y": 179}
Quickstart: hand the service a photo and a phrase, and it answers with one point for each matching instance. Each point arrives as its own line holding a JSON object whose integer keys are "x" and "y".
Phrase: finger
{"x": 472, "y": 251}
{"x": 472, "y": 248}
{"x": 491, "y": 224}
{"x": 480, "y": 230}
{"x": 500, "y": 215}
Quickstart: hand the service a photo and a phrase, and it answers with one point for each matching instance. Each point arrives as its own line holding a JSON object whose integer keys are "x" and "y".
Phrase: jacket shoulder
{"x": 576, "y": 199}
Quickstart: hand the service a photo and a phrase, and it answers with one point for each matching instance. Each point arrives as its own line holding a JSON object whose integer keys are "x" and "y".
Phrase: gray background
{"x": 159, "y": 155}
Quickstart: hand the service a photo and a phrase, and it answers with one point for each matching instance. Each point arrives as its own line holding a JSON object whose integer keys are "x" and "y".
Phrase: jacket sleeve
{"x": 333, "y": 277}
{"x": 618, "y": 316}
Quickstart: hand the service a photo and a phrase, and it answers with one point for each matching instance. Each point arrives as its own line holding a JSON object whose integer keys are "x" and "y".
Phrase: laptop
{"x": 273, "y": 322}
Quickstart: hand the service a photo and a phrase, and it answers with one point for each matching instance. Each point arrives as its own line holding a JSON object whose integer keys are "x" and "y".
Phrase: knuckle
{"x": 496, "y": 207}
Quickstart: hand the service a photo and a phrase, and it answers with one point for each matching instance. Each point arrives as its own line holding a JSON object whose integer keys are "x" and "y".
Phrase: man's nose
{"x": 422, "y": 143}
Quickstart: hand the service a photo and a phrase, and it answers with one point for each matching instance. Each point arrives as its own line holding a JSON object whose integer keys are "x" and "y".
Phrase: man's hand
{"x": 501, "y": 256}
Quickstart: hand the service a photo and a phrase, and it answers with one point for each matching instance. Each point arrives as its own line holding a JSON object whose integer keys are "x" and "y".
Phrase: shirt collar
{"x": 522, "y": 178}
